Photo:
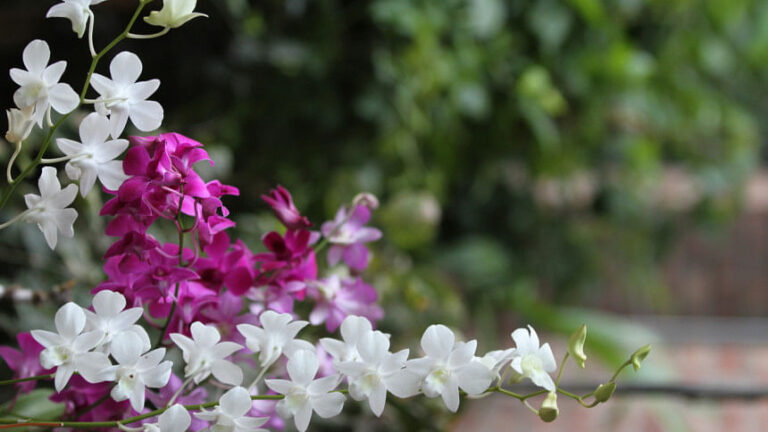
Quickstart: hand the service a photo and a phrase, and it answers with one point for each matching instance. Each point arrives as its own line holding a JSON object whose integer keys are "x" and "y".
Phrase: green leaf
{"x": 36, "y": 404}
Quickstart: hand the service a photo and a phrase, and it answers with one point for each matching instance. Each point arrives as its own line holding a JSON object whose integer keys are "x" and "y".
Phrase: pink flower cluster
{"x": 164, "y": 185}
{"x": 214, "y": 280}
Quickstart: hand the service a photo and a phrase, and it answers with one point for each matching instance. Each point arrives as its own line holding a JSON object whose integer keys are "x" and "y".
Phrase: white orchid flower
{"x": 40, "y": 85}
{"x": 174, "y": 419}
{"x": 277, "y": 335}
{"x": 77, "y": 11}
{"x": 49, "y": 209}
{"x": 122, "y": 97}
{"x": 353, "y": 328}
{"x": 64, "y": 350}
{"x": 94, "y": 157}
{"x": 111, "y": 318}
{"x": 230, "y": 414}
{"x": 136, "y": 369}
{"x": 304, "y": 394}
{"x": 205, "y": 355}
{"x": 174, "y": 13}
{"x": 532, "y": 361}
{"x": 378, "y": 371}
{"x": 448, "y": 366}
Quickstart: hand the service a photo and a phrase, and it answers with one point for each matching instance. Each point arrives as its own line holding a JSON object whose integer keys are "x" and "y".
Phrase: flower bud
{"x": 576, "y": 345}
{"x": 20, "y": 124}
{"x": 366, "y": 199}
{"x": 174, "y": 13}
{"x": 640, "y": 355}
{"x": 604, "y": 391}
{"x": 548, "y": 411}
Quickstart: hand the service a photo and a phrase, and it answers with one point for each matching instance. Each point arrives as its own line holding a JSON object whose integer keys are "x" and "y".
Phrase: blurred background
{"x": 546, "y": 162}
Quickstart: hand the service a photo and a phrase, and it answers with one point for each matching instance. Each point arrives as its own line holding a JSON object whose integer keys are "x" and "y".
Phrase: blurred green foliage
{"x": 556, "y": 145}
{"x": 530, "y": 156}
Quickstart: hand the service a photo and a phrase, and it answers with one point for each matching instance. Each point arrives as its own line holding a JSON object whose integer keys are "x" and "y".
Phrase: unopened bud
{"x": 548, "y": 411}
{"x": 576, "y": 345}
{"x": 605, "y": 391}
{"x": 366, "y": 199}
{"x": 640, "y": 355}
{"x": 20, "y": 124}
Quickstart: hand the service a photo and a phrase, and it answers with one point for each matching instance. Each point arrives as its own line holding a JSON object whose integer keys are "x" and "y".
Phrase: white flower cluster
{"x": 85, "y": 341}
{"x": 121, "y": 98}
{"x": 106, "y": 345}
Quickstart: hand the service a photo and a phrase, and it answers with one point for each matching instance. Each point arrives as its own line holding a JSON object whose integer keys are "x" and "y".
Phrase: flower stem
{"x": 57, "y": 160}
{"x": 32, "y": 378}
{"x": 149, "y": 36}
{"x": 11, "y": 423}
{"x": 92, "y": 24}
{"x": 621, "y": 368}
{"x": 14, "y": 219}
{"x": 259, "y": 377}
{"x": 8, "y": 173}
{"x": 560, "y": 372}
{"x": 179, "y": 391}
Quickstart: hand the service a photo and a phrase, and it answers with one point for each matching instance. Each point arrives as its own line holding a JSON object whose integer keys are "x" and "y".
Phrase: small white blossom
{"x": 378, "y": 371}
{"x": 174, "y": 13}
{"x": 77, "y": 11}
{"x": 353, "y": 328}
{"x": 174, "y": 419}
{"x": 532, "y": 361}
{"x": 276, "y": 335}
{"x": 40, "y": 85}
{"x": 205, "y": 355}
{"x": 448, "y": 366}
{"x": 304, "y": 394}
{"x": 64, "y": 350}
{"x": 111, "y": 318}
{"x": 230, "y": 414}
{"x": 48, "y": 210}
{"x": 94, "y": 157}
{"x": 122, "y": 97}
{"x": 136, "y": 369}
{"x": 20, "y": 123}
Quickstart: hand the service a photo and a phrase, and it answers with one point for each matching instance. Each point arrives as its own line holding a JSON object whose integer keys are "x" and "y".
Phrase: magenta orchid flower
{"x": 348, "y": 235}
{"x": 282, "y": 204}
{"x": 25, "y": 361}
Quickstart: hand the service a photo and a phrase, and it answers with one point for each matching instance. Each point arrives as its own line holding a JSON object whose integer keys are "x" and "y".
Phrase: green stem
{"x": 32, "y": 378}
{"x": 509, "y": 393}
{"x": 517, "y": 396}
{"x": 44, "y": 147}
{"x": 577, "y": 398}
{"x": 621, "y": 368}
{"x": 560, "y": 372}
{"x": 14, "y": 423}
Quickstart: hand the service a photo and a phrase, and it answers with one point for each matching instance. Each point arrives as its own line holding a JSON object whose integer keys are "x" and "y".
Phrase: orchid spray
{"x": 202, "y": 333}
